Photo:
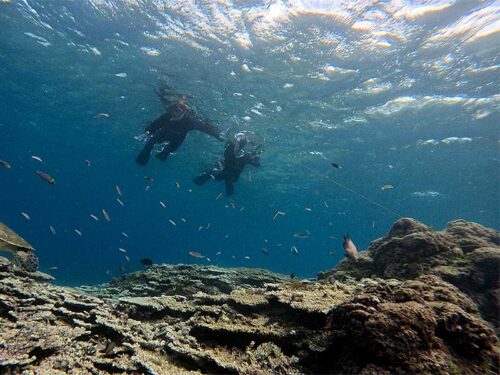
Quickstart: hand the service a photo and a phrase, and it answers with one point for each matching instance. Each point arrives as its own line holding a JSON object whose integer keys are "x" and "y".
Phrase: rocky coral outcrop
{"x": 418, "y": 301}
{"x": 465, "y": 254}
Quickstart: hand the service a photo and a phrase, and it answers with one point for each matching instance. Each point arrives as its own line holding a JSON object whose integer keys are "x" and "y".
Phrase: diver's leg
{"x": 229, "y": 187}
{"x": 173, "y": 145}
{"x": 143, "y": 156}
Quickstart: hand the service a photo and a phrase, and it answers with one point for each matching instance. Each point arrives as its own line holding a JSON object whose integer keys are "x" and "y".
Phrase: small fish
{"x": 302, "y": 235}
{"x": 212, "y": 177}
{"x": 387, "y": 187}
{"x": 121, "y": 75}
{"x": 26, "y": 216}
{"x": 121, "y": 268}
{"x": 106, "y": 215}
{"x": 146, "y": 261}
{"x": 177, "y": 184}
{"x": 232, "y": 205}
{"x": 278, "y": 213}
{"x": 218, "y": 253}
{"x": 44, "y": 176}
{"x": 307, "y": 209}
{"x": 200, "y": 228}
{"x": 183, "y": 220}
{"x": 208, "y": 226}
{"x": 102, "y": 115}
{"x": 127, "y": 258}
{"x": 196, "y": 254}
{"x": 218, "y": 196}
{"x": 163, "y": 204}
{"x": 242, "y": 208}
{"x": 333, "y": 253}
{"x": 149, "y": 178}
{"x": 94, "y": 217}
{"x": 326, "y": 204}
{"x": 37, "y": 158}
{"x": 246, "y": 257}
{"x": 118, "y": 190}
{"x": 335, "y": 165}
{"x": 78, "y": 232}
{"x": 148, "y": 187}
{"x": 264, "y": 251}
{"x": 52, "y": 229}
{"x": 172, "y": 222}
{"x": 5, "y": 164}
{"x": 333, "y": 238}
{"x": 279, "y": 244}
{"x": 226, "y": 236}
{"x": 373, "y": 224}
{"x": 208, "y": 259}
{"x": 87, "y": 162}
{"x": 122, "y": 250}
{"x": 350, "y": 250}
{"x": 120, "y": 202}
{"x": 54, "y": 268}
{"x": 124, "y": 234}
{"x": 250, "y": 176}
{"x": 294, "y": 250}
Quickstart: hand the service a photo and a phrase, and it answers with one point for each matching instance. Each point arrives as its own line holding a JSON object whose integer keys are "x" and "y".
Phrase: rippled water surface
{"x": 398, "y": 93}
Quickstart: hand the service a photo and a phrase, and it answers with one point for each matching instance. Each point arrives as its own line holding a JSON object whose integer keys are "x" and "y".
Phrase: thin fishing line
{"x": 356, "y": 193}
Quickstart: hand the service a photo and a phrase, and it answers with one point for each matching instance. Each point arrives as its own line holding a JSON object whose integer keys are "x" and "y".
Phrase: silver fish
{"x": 106, "y": 215}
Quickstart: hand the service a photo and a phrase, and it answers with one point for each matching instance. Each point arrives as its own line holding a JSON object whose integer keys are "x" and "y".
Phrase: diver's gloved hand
{"x": 143, "y": 137}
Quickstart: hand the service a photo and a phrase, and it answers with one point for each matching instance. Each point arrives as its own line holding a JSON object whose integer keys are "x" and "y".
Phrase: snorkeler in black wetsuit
{"x": 173, "y": 127}
{"x": 235, "y": 160}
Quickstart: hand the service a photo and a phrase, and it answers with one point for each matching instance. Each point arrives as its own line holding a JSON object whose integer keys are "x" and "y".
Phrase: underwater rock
{"x": 417, "y": 301}
{"x": 465, "y": 254}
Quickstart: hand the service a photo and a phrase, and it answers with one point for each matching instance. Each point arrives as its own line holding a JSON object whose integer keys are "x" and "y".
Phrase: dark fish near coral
{"x": 5, "y": 164}
{"x": 335, "y": 165}
{"x": 146, "y": 261}
{"x": 44, "y": 176}
{"x": 350, "y": 250}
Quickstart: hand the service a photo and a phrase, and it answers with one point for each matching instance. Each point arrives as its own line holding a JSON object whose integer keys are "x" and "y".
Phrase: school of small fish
{"x": 350, "y": 249}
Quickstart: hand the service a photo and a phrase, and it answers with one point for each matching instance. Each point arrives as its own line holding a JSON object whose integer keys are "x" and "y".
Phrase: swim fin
{"x": 201, "y": 179}
{"x": 143, "y": 156}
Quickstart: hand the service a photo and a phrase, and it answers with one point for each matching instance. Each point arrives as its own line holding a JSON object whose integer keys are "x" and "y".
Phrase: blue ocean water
{"x": 398, "y": 93}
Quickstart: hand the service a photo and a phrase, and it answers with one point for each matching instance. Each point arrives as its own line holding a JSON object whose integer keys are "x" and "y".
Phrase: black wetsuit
{"x": 232, "y": 166}
{"x": 164, "y": 129}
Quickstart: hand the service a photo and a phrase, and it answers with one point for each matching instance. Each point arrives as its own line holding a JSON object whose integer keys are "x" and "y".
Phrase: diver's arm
{"x": 158, "y": 123}
{"x": 206, "y": 127}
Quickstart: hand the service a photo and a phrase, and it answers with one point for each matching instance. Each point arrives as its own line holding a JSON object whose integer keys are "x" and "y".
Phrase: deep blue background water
{"x": 50, "y": 95}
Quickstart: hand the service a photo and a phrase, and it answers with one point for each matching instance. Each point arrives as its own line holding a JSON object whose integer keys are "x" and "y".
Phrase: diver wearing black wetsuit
{"x": 173, "y": 127}
{"x": 235, "y": 160}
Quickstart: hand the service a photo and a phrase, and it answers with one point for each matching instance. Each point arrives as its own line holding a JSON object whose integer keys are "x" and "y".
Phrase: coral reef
{"x": 417, "y": 301}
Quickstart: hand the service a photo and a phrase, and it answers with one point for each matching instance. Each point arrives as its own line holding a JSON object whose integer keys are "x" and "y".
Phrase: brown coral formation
{"x": 418, "y": 301}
